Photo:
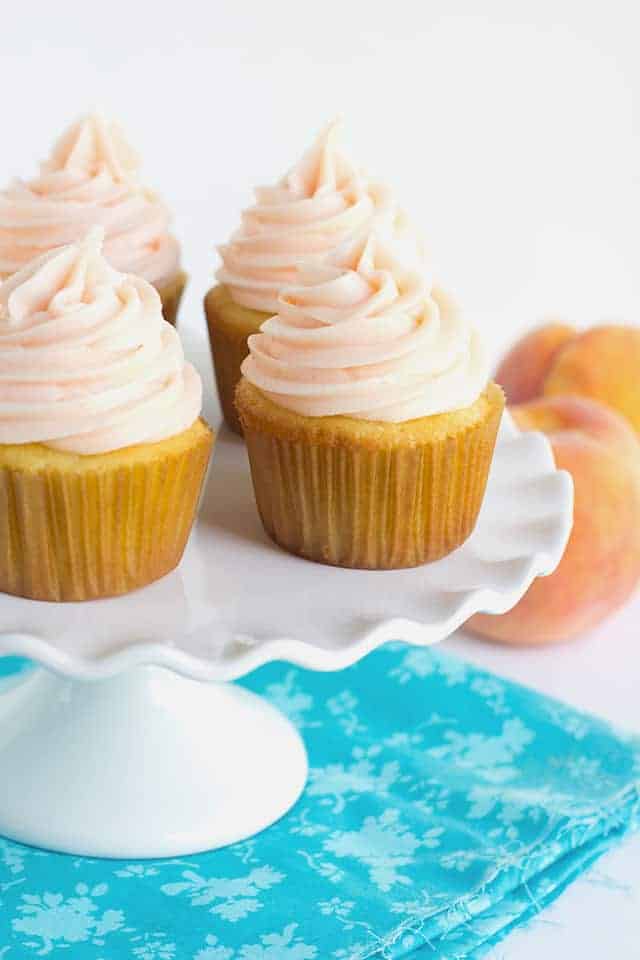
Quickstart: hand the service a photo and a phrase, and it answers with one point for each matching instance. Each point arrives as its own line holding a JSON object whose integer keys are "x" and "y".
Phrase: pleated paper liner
{"x": 80, "y": 527}
{"x": 374, "y": 496}
{"x": 171, "y": 295}
{"x": 229, "y": 325}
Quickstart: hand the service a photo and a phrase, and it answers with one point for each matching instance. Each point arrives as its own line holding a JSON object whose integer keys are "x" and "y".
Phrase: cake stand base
{"x": 143, "y": 764}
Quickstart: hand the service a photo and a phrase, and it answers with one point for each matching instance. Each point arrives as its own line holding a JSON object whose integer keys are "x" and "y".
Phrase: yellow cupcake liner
{"x": 171, "y": 295}
{"x": 229, "y": 327}
{"x": 365, "y": 505}
{"x": 79, "y": 528}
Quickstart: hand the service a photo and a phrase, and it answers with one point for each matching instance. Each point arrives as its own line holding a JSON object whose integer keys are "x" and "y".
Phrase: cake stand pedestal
{"x": 143, "y": 763}
{"x": 128, "y": 742}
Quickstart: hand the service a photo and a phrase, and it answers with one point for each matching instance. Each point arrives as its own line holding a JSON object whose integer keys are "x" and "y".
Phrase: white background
{"x": 510, "y": 131}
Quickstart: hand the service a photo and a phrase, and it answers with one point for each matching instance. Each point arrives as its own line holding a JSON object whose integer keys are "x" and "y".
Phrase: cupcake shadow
{"x": 228, "y": 501}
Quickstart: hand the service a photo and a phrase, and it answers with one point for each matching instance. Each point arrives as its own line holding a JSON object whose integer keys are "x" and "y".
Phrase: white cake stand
{"x": 129, "y": 742}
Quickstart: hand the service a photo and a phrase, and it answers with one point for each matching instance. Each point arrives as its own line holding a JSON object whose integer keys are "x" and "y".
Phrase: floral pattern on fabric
{"x": 445, "y": 806}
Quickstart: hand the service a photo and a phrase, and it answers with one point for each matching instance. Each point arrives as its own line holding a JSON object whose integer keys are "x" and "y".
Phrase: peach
{"x": 604, "y": 364}
{"x": 600, "y": 568}
{"x": 523, "y": 370}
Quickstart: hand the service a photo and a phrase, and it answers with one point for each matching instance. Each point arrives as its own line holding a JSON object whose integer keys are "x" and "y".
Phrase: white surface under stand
{"x": 131, "y": 744}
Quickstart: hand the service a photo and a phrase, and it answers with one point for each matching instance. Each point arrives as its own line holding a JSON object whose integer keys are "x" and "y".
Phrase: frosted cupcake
{"x": 369, "y": 419}
{"x": 102, "y": 449}
{"x": 92, "y": 179}
{"x": 323, "y": 203}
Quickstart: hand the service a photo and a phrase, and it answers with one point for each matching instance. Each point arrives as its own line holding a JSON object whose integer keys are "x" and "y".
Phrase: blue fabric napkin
{"x": 445, "y": 806}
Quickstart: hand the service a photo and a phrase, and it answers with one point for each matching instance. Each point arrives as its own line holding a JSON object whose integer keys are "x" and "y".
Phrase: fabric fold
{"x": 445, "y": 807}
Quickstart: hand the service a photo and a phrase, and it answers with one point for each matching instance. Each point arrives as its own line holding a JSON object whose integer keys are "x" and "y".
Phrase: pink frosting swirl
{"x": 87, "y": 363}
{"x": 91, "y": 178}
{"x": 321, "y": 204}
{"x": 370, "y": 340}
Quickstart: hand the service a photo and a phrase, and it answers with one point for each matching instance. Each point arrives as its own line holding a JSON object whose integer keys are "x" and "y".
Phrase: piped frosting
{"x": 323, "y": 203}
{"x": 91, "y": 178}
{"x": 87, "y": 362}
{"x": 369, "y": 338}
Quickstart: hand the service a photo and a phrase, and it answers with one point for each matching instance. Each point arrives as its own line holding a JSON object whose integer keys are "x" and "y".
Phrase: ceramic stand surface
{"x": 144, "y": 764}
{"x": 134, "y": 746}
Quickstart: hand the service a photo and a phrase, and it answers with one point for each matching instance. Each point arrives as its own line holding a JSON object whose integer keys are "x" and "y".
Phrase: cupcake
{"x": 102, "y": 449}
{"x": 323, "y": 203}
{"x": 369, "y": 417}
{"x": 92, "y": 179}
